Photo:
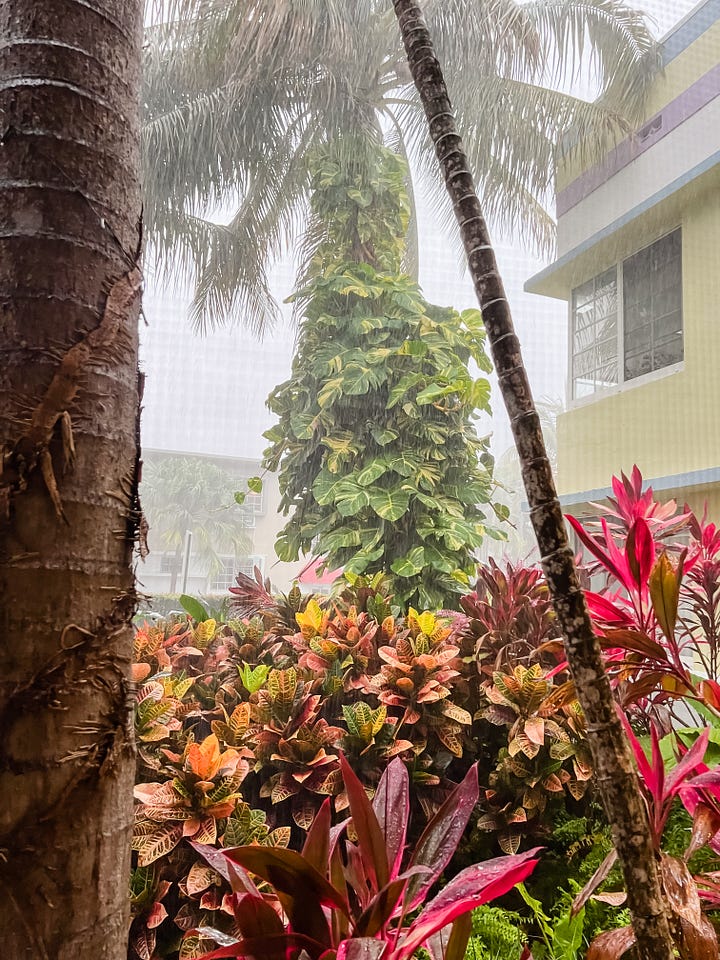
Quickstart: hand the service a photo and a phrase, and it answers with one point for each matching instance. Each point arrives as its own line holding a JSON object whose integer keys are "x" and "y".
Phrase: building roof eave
{"x": 556, "y": 281}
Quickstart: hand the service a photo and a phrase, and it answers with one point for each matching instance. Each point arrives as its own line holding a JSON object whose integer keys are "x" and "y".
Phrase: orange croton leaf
{"x": 205, "y": 759}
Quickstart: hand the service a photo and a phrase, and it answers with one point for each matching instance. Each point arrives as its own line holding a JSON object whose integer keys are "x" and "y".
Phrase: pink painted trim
{"x": 697, "y": 96}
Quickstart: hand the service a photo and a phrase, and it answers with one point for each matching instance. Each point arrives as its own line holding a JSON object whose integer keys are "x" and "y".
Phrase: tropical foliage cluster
{"x": 261, "y": 735}
{"x": 380, "y": 464}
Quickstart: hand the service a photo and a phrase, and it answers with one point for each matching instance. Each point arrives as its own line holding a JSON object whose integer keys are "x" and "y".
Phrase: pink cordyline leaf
{"x": 238, "y": 879}
{"x": 300, "y": 888}
{"x": 386, "y": 904}
{"x": 689, "y": 762}
{"x": 266, "y": 948}
{"x": 441, "y": 836}
{"x": 254, "y": 917}
{"x": 640, "y": 552}
{"x": 471, "y": 888}
{"x": 597, "y": 549}
{"x": 316, "y": 849}
{"x": 391, "y": 804}
{"x": 710, "y": 778}
{"x": 451, "y": 943}
{"x": 607, "y": 612}
{"x": 620, "y": 566}
{"x": 371, "y": 842}
{"x": 644, "y": 768}
{"x": 361, "y": 948}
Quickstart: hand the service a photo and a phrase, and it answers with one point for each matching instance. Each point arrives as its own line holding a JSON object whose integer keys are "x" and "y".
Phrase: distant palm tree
{"x": 238, "y": 94}
{"x": 188, "y": 493}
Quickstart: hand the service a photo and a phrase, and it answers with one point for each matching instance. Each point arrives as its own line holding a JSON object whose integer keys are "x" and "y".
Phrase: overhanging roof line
{"x": 633, "y": 214}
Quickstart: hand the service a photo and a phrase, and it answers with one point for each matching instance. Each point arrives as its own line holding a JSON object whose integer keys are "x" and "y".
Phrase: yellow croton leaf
{"x": 204, "y": 633}
{"x": 311, "y": 620}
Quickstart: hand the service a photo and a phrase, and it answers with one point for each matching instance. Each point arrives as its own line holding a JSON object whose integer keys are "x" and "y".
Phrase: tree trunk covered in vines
{"x": 69, "y": 397}
{"x": 615, "y": 773}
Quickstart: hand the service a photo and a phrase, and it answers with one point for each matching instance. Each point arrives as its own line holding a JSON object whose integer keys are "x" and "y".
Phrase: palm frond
{"x": 237, "y": 92}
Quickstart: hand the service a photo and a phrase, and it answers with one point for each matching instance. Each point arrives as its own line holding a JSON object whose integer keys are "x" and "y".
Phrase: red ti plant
{"x": 694, "y": 935}
{"x": 510, "y": 618}
{"x": 650, "y": 624}
{"x": 347, "y": 899}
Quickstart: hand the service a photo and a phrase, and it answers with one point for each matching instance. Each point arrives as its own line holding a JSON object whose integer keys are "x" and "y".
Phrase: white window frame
{"x": 213, "y": 588}
{"x": 622, "y": 385}
{"x": 244, "y": 565}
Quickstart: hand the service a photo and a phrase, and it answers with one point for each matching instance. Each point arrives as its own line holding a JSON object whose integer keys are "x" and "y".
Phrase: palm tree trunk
{"x": 615, "y": 774}
{"x": 69, "y": 397}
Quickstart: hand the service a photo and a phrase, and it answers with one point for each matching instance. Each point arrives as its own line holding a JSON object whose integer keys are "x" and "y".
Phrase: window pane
{"x": 583, "y": 294}
{"x": 669, "y": 352}
{"x": 652, "y": 307}
{"x": 594, "y": 334}
{"x": 668, "y": 327}
{"x": 585, "y": 362}
{"x": 638, "y": 364}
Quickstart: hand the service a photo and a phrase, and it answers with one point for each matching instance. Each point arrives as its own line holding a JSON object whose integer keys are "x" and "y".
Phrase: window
{"x": 247, "y": 518}
{"x": 247, "y": 566}
{"x": 224, "y": 575}
{"x": 595, "y": 334}
{"x": 170, "y": 563}
{"x": 253, "y": 502}
{"x": 652, "y": 307}
{"x": 647, "y": 332}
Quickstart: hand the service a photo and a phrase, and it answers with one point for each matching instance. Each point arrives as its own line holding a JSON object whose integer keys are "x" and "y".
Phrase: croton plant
{"x": 260, "y": 734}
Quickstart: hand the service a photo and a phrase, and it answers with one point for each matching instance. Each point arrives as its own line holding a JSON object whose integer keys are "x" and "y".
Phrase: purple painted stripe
{"x": 697, "y": 96}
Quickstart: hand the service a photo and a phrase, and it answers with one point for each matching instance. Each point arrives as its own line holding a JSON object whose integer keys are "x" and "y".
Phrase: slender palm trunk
{"x": 615, "y": 775}
{"x": 69, "y": 396}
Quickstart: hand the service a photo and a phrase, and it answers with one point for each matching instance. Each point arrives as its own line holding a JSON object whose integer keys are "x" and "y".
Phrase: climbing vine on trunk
{"x": 381, "y": 468}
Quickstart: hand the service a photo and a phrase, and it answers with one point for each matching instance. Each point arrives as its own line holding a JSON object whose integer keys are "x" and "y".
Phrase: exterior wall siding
{"x": 668, "y": 425}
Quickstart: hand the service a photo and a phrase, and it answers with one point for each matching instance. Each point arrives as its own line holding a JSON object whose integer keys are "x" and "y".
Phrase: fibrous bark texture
{"x": 69, "y": 397}
{"x": 615, "y": 774}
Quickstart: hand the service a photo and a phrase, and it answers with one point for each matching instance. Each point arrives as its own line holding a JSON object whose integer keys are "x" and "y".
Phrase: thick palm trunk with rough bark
{"x": 614, "y": 774}
{"x": 69, "y": 302}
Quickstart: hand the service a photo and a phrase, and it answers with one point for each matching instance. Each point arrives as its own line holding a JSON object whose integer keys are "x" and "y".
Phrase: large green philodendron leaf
{"x": 390, "y": 504}
{"x": 380, "y": 465}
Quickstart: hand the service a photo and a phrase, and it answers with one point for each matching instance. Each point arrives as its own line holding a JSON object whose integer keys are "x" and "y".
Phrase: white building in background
{"x": 205, "y": 396}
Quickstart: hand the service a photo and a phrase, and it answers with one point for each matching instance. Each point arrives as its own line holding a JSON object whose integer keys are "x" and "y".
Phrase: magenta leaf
{"x": 450, "y": 943}
{"x": 391, "y": 804}
{"x": 381, "y": 908}
{"x": 685, "y": 767}
{"x": 238, "y": 879}
{"x": 646, "y": 771}
{"x": 597, "y": 550}
{"x": 316, "y": 849}
{"x": 640, "y": 551}
{"x": 361, "y": 948}
{"x": 300, "y": 888}
{"x": 370, "y": 839}
{"x": 267, "y": 948}
{"x": 441, "y": 836}
{"x": 256, "y": 918}
{"x": 471, "y": 888}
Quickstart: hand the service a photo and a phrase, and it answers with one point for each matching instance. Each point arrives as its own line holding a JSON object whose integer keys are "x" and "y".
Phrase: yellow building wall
{"x": 684, "y": 70}
{"x": 669, "y": 425}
